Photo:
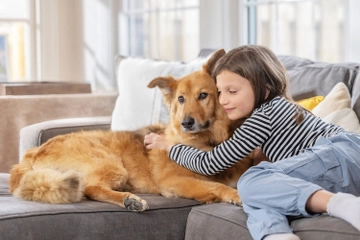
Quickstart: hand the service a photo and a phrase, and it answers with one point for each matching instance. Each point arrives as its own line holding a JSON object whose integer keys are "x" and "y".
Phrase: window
{"x": 160, "y": 29}
{"x": 314, "y": 29}
{"x": 15, "y": 39}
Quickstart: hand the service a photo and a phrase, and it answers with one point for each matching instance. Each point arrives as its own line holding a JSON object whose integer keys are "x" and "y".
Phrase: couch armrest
{"x": 34, "y": 135}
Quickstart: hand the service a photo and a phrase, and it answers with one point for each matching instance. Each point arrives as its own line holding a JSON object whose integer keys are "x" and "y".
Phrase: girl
{"x": 320, "y": 162}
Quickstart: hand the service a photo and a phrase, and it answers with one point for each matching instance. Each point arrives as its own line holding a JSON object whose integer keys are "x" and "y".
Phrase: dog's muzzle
{"x": 189, "y": 125}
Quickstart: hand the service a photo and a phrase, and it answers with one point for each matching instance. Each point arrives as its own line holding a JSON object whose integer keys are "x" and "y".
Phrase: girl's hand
{"x": 154, "y": 140}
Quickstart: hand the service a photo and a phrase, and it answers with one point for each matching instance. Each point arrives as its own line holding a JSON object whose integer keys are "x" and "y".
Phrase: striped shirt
{"x": 270, "y": 127}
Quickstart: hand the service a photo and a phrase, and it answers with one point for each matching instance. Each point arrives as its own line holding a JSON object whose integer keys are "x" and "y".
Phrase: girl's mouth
{"x": 229, "y": 109}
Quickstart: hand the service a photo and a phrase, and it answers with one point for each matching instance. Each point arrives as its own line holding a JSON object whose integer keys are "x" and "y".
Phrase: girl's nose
{"x": 222, "y": 99}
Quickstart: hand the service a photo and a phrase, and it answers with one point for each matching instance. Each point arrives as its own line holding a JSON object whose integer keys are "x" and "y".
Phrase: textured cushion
{"x": 225, "y": 221}
{"x": 19, "y": 219}
{"x": 345, "y": 118}
{"x": 137, "y": 105}
{"x": 311, "y": 103}
{"x": 309, "y": 79}
{"x": 337, "y": 98}
{"x": 217, "y": 222}
{"x": 335, "y": 108}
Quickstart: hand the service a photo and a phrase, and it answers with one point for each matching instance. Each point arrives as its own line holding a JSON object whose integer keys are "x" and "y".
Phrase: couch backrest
{"x": 308, "y": 78}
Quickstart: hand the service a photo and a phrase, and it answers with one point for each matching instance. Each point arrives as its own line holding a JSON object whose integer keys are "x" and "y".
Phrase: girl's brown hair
{"x": 262, "y": 68}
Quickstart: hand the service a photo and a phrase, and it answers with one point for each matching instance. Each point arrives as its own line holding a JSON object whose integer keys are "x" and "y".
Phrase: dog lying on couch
{"x": 114, "y": 166}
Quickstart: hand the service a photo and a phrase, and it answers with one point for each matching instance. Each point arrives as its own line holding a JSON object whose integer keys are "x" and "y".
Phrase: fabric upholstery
{"x": 308, "y": 78}
{"x": 311, "y": 103}
{"x": 225, "y": 221}
{"x": 335, "y": 109}
{"x": 338, "y": 98}
{"x": 26, "y": 220}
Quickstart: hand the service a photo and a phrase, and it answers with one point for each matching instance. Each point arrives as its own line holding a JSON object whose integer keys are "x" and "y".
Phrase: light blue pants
{"x": 272, "y": 191}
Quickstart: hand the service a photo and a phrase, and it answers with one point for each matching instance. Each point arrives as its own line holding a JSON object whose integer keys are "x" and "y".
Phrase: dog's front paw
{"x": 237, "y": 202}
{"x": 233, "y": 198}
{"x": 135, "y": 204}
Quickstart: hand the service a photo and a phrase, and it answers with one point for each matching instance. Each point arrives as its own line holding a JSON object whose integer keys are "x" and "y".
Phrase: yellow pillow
{"x": 311, "y": 103}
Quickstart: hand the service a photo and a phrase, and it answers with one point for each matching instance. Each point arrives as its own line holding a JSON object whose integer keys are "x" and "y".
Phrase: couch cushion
{"x": 226, "y": 221}
{"x": 335, "y": 108}
{"x": 217, "y": 221}
{"x": 311, "y": 103}
{"x": 324, "y": 227}
{"x": 308, "y": 78}
{"x": 19, "y": 219}
{"x": 338, "y": 98}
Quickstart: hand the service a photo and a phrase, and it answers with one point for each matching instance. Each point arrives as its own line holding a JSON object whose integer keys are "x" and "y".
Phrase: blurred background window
{"x": 77, "y": 40}
{"x": 160, "y": 29}
{"x": 15, "y": 56}
{"x": 314, "y": 29}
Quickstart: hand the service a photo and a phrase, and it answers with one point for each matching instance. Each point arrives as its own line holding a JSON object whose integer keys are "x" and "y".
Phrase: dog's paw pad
{"x": 239, "y": 204}
{"x": 137, "y": 205}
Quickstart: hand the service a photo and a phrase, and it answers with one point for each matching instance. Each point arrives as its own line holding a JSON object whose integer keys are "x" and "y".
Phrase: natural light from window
{"x": 167, "y": 30}
{"x": 14, "y": 40}
{"x": 313, "y": 29}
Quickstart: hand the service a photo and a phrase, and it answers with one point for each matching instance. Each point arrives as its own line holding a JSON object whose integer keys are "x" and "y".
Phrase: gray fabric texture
{"x": 308, "y": 79}
{"x": 19, "y": 219}
{"x": 224, "y": 221}
{"x": 217, "y": 222}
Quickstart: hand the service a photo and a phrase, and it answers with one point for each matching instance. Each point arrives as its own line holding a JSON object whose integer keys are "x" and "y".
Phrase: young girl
{"x": 315, "y": 165}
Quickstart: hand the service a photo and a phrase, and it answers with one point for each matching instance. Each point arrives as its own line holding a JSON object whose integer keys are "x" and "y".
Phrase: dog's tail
{"x": 45, "y": 185}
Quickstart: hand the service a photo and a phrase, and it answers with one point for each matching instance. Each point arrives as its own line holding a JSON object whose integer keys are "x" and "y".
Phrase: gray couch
{"x": 166, "y": 218}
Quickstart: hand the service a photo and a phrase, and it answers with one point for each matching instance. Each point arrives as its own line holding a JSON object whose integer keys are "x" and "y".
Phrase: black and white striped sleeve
{"x": 251, "y": 134}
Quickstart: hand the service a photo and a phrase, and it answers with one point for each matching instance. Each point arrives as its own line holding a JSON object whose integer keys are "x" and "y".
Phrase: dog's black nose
{"x": 188, "y": 122}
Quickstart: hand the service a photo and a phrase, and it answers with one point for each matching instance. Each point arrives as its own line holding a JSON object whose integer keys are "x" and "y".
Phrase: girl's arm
{"x": 208, "y": 163}
{"x": 250, "y": 135}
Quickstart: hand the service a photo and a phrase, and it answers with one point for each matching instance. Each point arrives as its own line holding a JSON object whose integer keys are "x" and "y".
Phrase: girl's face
{"x": 235, "y": 94}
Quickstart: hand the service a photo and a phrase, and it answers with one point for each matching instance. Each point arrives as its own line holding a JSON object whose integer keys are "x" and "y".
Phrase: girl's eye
{"x": 202, "y": 96}
{"x": 232, "y": 91}
{"x": 181, "y": 99}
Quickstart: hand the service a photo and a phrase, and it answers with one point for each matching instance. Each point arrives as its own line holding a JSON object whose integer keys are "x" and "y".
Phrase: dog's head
{"x": 193, "y": 104}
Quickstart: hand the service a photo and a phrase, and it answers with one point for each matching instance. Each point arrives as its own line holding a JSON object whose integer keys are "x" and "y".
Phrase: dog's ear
{"x": 208, "y": 67}
{"x": 167, "y": 85}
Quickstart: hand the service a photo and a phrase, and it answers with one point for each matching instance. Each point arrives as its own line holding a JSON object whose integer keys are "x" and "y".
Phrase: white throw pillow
{"x": 345, "y": 118}
{"x": 337, "y": 98}
{"x": 336, "y": 109}
{"x": 137, "y": 105}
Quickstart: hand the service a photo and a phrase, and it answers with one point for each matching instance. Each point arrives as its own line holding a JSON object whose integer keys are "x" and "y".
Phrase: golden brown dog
{"x": 113, "y": 166}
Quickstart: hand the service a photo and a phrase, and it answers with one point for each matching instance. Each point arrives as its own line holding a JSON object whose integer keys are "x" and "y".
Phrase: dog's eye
{"x": 181, "y": 99}
{"x": 203, "y": 96}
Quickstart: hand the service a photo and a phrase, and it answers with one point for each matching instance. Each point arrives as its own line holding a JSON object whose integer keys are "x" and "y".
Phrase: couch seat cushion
{"x": 226, "y": 221}
{"x": 19, "y": 219}
{"x": 217, "y": 221}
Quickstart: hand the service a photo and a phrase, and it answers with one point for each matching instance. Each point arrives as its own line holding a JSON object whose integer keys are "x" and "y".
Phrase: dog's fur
{"x": 113, "y": 166}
